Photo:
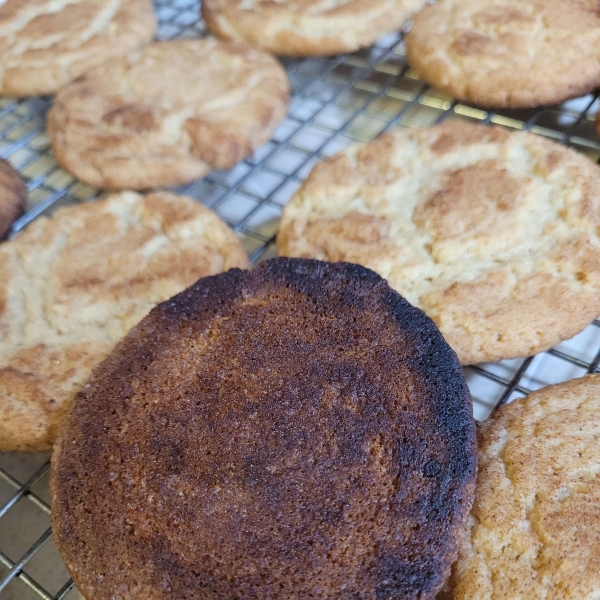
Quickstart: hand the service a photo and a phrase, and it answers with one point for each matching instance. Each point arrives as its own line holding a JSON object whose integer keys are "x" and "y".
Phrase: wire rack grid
{"x": 335, "y": 101}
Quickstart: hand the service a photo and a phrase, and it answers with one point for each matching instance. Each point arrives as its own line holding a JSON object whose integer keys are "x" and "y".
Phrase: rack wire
{"x": 335, "y": 101}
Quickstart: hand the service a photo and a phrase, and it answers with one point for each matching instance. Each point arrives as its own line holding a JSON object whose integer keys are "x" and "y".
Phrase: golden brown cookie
{"x": 288, "y": 432}
{"x": 508, "y": 53}
{"x": 44, "y": 44}
{"x": 493, "y": 234}
{"x": 307, "y": 27}
{"x": 168, "y": 114}
{"x": 71, "y": 286}
{"x": 535, "y": 524}
{"x": 13, "y": 196}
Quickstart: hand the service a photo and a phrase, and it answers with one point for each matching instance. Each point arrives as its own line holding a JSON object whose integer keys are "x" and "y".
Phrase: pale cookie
{"x": 307, "y": 27}
{"x": 493, "y": 234}
{"x": 13, "y": 195}
{"x": 168, "y": 114}
{"x": 72, "y": 286}
{"x": 44, "y": 44}
{"x": 535, "y": 523}
{"x": 508, "y": 53}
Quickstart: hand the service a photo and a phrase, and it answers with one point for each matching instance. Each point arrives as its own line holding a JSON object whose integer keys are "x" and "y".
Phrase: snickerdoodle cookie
{"x": 535, "y": 524}
{"x": 44, "y": 44}
{"x": 307, "y": 27}
{"x": 508, "y": 53}
{"x": 296, "y": 431}
{"x": 71, "y": 286}
{"x": 13, "y": 195}
{"x": 493, "y": 234}
{"x": 167, "y": 114}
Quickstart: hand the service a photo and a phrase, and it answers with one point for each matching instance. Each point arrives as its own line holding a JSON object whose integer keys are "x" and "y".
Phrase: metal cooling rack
{"x": 335, "y": 101}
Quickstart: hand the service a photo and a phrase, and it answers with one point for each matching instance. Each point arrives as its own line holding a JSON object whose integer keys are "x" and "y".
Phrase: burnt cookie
{"x": 295, "y": 431}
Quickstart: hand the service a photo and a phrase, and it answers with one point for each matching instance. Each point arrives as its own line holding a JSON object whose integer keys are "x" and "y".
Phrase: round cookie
{"x": 44, "y": 44}
{"x": 168, "y": 114}
{"x": 535, "y": 526}
{"x": 71, "y": 286}
{"x": 13, "y": 196}
{"x": 291, "y": 431}
{"x": 493, "y": 234}
{"x": 307, "y": 27}
{"x": 508, "y": 53}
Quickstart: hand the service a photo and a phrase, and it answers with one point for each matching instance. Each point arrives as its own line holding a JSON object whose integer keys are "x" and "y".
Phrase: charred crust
{"x": 286, "y": 431}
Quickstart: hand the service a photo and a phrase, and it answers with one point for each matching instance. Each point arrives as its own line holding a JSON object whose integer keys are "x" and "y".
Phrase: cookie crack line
{"x": 106, "y": 15}
{"x": 473, "y": 533}
{"x": 40, "y": 283}
{"x": 48, "y": 44}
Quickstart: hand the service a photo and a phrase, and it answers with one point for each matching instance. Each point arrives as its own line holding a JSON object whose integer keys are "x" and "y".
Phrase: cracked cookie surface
{"x": 493, "y": 234}
{"x": 72, "y": 285}
{"x": 13, "y": 196}
{"x": 534, "y": 528}
{"x": 44, "y": 44}
{"x": 168, "y": 114}
{"x": 307, "y": 27}
{"x": 508, "y": 53}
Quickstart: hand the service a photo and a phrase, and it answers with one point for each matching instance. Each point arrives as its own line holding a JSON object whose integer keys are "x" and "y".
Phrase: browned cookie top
{"x": 297, "y": 431}
{"x": 307, "y": 27}
{"x": 72, "y": 285}
{"x": 534, "y": 531}
{"x": 168, "y": 114}
{"x": 13, "y": 195}
{"x": 44, "y": 44}
{"x": 495, "y": 235}
{"x": 508, "y": 53}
